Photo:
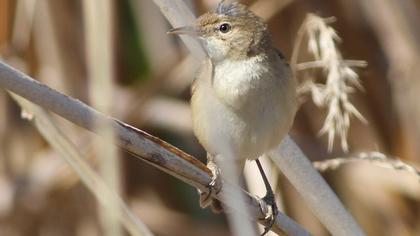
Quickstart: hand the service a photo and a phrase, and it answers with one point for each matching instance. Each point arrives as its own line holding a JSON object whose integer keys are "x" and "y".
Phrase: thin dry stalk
{"x": 375, "y": 158}
{"x": 314, "y": 190}
{"x": 24, "y": 18}
{"x": 47, "y": 48}
{"x": 178, "y": 14}
{"x": 160, "y": 50}
{"x": 269, "y": 8}
{"x": 397, "y": 33}
{"x": 99, "y": 21}
{"x": 341, "y": 79}
{"x": 239, "y": 221}
{"x": 60, "y": 142}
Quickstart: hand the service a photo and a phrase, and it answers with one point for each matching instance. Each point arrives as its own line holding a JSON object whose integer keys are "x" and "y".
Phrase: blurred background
{"x": 41, "y": 195}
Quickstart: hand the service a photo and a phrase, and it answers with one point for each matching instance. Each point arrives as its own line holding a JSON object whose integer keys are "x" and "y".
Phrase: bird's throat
{"x": 236, "y": 81}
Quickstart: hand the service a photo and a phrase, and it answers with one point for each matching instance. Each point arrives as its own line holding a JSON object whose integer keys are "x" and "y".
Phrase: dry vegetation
{"x": 41, "y": 193}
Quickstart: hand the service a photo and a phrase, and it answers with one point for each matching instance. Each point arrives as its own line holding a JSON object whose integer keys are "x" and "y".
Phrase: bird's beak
{"x": 188, "y": 30}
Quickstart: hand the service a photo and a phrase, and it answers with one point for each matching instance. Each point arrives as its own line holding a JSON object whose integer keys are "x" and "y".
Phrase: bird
{"x": 244, "y": 95}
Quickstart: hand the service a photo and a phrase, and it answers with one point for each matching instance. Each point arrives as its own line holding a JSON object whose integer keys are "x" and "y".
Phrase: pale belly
{"x": 244, "y": 133}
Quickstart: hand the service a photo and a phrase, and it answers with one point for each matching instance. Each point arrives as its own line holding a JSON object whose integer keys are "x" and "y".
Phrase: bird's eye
{"x": 224, "y": 28}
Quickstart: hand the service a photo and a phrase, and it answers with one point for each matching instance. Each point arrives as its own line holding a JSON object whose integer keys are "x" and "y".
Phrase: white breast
{"x": 233, "y": 80}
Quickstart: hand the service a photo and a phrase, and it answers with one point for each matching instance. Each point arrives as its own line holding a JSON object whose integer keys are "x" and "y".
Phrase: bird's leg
{"x": 268, "y": 198}
{"x": 213, "y": 188}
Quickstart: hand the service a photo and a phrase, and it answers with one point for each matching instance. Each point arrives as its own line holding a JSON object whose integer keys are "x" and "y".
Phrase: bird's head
{"x": 231, "y": 32}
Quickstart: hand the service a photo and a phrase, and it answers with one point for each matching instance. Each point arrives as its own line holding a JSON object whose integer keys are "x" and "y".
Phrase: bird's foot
{"x": 270, "y": 200}
{"x": 213, "y": 188}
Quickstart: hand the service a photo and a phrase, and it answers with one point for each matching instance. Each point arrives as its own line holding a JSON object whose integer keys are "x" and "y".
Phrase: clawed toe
{"x": 213, "y": 188}
{"x": 271, "y": 216}
{"x": 206, "y": 197}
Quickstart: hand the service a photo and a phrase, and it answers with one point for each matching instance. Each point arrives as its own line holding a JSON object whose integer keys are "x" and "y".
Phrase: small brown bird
{"x": 244, "y": 96}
